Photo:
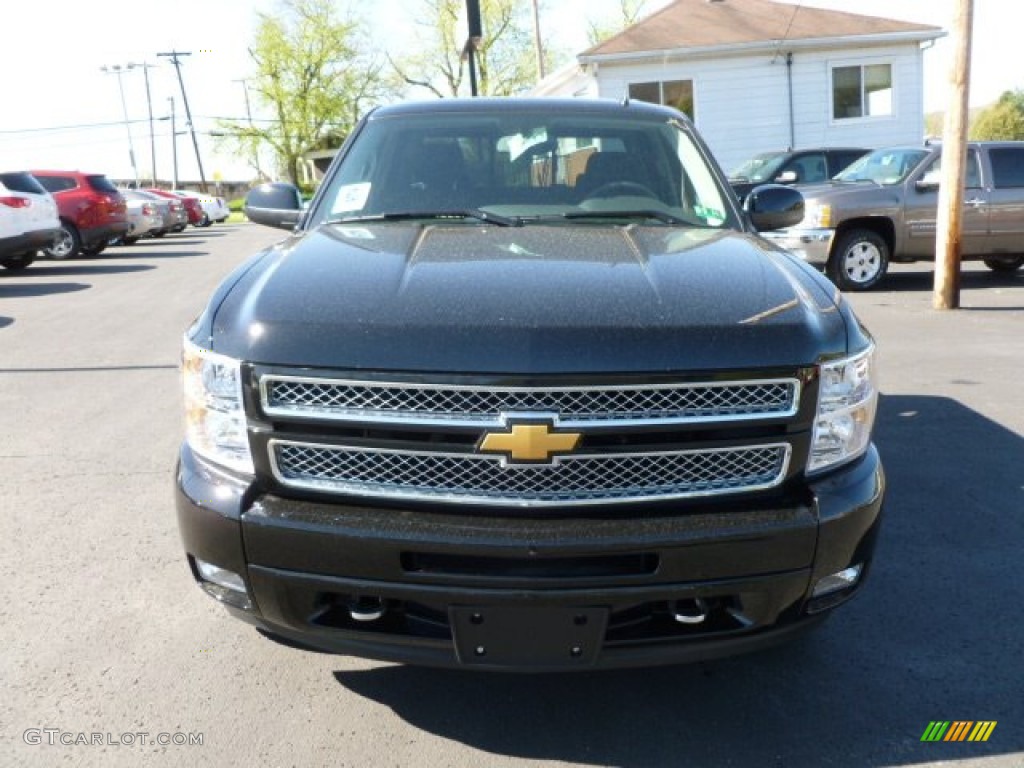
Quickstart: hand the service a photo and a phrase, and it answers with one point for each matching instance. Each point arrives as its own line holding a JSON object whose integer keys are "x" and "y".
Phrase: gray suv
{"x": 883, "y": 208}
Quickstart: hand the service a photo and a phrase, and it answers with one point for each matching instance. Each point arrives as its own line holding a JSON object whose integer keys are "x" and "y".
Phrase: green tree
{"x": 505, "y": 59}
{"x": 630, "y": 12}
{"x": 312, "y": 75}
{"x": 1004, "y": 120}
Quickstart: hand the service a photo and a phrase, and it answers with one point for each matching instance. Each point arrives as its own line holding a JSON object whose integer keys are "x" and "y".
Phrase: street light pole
{"x": 117, "y": 69}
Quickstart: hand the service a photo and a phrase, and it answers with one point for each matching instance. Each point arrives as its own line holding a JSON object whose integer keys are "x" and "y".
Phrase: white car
{"x": 144, "y": 215}
{"x": 28, "y": 219}
{"x": 214, "y": 208}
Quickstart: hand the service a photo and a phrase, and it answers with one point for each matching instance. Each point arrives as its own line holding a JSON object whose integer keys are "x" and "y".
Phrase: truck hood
{"x": 852, "y": 194}
{"x": 539, "y": 299}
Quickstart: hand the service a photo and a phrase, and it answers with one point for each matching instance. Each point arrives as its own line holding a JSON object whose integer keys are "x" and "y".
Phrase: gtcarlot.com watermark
{"x": 53, "y": 737}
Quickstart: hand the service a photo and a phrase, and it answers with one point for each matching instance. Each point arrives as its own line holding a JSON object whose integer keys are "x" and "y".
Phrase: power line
{"x": 82, "y": 126}
{"x": 173, "y": 56}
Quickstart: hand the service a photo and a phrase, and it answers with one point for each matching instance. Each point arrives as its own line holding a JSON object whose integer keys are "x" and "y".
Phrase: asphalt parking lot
{"x": 104, "y": 632}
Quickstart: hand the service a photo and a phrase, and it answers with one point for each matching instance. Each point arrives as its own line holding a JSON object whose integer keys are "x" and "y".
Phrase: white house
{"x": 758, "y": 75}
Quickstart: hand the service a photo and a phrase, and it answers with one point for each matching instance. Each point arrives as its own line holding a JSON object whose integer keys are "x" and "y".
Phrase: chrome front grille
{"x": 442, "y": 404}
{"x": 482, "y": 479}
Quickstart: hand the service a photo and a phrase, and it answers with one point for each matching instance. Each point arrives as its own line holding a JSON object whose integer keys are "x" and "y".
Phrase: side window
{"x": 56, "y": 183}
{"x": 808, "y": 168}
{"x": 840, "y": 160}
{"x": 1007, "y": 167}
{"x": 933, "y": 173}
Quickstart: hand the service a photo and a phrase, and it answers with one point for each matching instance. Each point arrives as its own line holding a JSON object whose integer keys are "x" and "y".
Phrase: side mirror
{"x": 771, "y": 206}
{"x": 276, "y": 204}
{"x": 929, "y": 182}
{"x": 786, "y": 177}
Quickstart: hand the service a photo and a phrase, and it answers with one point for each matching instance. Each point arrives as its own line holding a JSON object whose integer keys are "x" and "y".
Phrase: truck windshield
{"x": 526, "y": 166}
{"x": 884, "y": 166}
{"x": 760, "y": 167}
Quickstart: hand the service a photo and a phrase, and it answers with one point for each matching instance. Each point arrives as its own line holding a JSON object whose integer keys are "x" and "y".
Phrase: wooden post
{"x": 949, "y": 223}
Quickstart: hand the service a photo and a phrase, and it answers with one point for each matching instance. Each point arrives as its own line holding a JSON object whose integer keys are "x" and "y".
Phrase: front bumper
{"x": 530, "y": 594}
{"x": 811, "y": 245}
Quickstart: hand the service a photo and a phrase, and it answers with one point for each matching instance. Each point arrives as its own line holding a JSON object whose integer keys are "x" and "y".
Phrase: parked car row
{"x": 28, "y": 219}
{"x": 63, "y": 214}
{"x": 883, "y": 207}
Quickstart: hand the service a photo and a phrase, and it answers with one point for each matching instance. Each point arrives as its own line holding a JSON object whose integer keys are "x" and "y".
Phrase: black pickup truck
{"x": 525, "y": 390}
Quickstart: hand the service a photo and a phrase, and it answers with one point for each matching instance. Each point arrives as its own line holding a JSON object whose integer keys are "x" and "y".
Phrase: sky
{"x": 54, "y": 87}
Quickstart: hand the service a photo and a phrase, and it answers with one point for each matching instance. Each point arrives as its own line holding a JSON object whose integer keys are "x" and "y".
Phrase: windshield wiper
{"x": 460, "y": 213}
{"x": 662, "y": 216}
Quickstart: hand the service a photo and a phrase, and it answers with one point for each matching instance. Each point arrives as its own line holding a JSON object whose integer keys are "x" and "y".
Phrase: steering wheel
{"x": 620, "y": 188}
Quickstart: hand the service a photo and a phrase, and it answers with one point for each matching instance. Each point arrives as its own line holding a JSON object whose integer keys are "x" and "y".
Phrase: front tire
{"x": 67, "y": 244}
{"x": 859, "y": 260}
{"x": 1004, "y": 264}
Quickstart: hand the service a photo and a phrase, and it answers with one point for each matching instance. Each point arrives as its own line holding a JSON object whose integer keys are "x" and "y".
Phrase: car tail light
{"x": 15, "y": 202}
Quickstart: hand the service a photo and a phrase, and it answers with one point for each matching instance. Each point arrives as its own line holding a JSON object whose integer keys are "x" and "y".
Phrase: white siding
{"x": 742, "y": 103}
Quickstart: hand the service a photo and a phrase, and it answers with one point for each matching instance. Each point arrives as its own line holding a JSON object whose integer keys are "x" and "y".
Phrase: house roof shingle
{"x": 719, "y": 23}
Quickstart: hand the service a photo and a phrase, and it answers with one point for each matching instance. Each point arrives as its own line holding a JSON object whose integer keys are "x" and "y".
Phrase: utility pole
{"x": 537, "y": 42}
{"x": 474, "y": 30}
{"x": 174, "y": 142}
{"x": 248, "y": 114}
{"x": 173, "y": 56}
{"x": 949, "y": 223}
{"x": 117, "y": 69}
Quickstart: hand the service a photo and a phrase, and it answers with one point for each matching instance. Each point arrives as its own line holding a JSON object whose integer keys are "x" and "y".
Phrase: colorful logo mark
{"x": 959, "y": 730}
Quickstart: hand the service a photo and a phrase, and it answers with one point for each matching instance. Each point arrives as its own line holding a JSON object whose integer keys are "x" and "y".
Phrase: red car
{"x": 192, "y": 206}
{"x": 92, "y": 212}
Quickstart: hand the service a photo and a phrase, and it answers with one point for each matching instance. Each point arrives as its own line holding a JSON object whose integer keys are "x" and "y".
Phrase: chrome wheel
{"x": 65, "y": 245}
{"x": 859, "y": 260}
{"x": 861, "y": 263}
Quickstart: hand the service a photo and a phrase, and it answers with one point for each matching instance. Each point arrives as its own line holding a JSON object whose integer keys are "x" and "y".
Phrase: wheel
{"x": 66, "y": 245}
{"x": 158, "y": 233}
{"x": 859, "y": 260}
{"x": 94, "y": 250}
{"x": 18, "y": 263}
{"x": 619, "y": 188}
{"x": 1004, "y": 263}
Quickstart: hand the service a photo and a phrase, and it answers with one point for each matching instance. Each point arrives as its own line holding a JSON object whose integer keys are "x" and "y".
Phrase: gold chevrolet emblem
{"x": 530, "y": 442}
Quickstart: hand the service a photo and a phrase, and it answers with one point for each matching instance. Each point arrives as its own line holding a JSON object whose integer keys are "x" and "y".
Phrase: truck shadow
{"x": 973, "y": 277}
{"x": 935, "y": 636}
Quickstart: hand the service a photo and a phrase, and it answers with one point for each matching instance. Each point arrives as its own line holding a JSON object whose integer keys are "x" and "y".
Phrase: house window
{"x": 861, "y": 91}
{"x": 671, "y": 93}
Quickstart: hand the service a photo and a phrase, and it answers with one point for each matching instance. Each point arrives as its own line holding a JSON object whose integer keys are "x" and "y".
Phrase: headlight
{"x": 214, "y": 415}
{"x": 818, "y": 216}
{"x": 847, "y": 398}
